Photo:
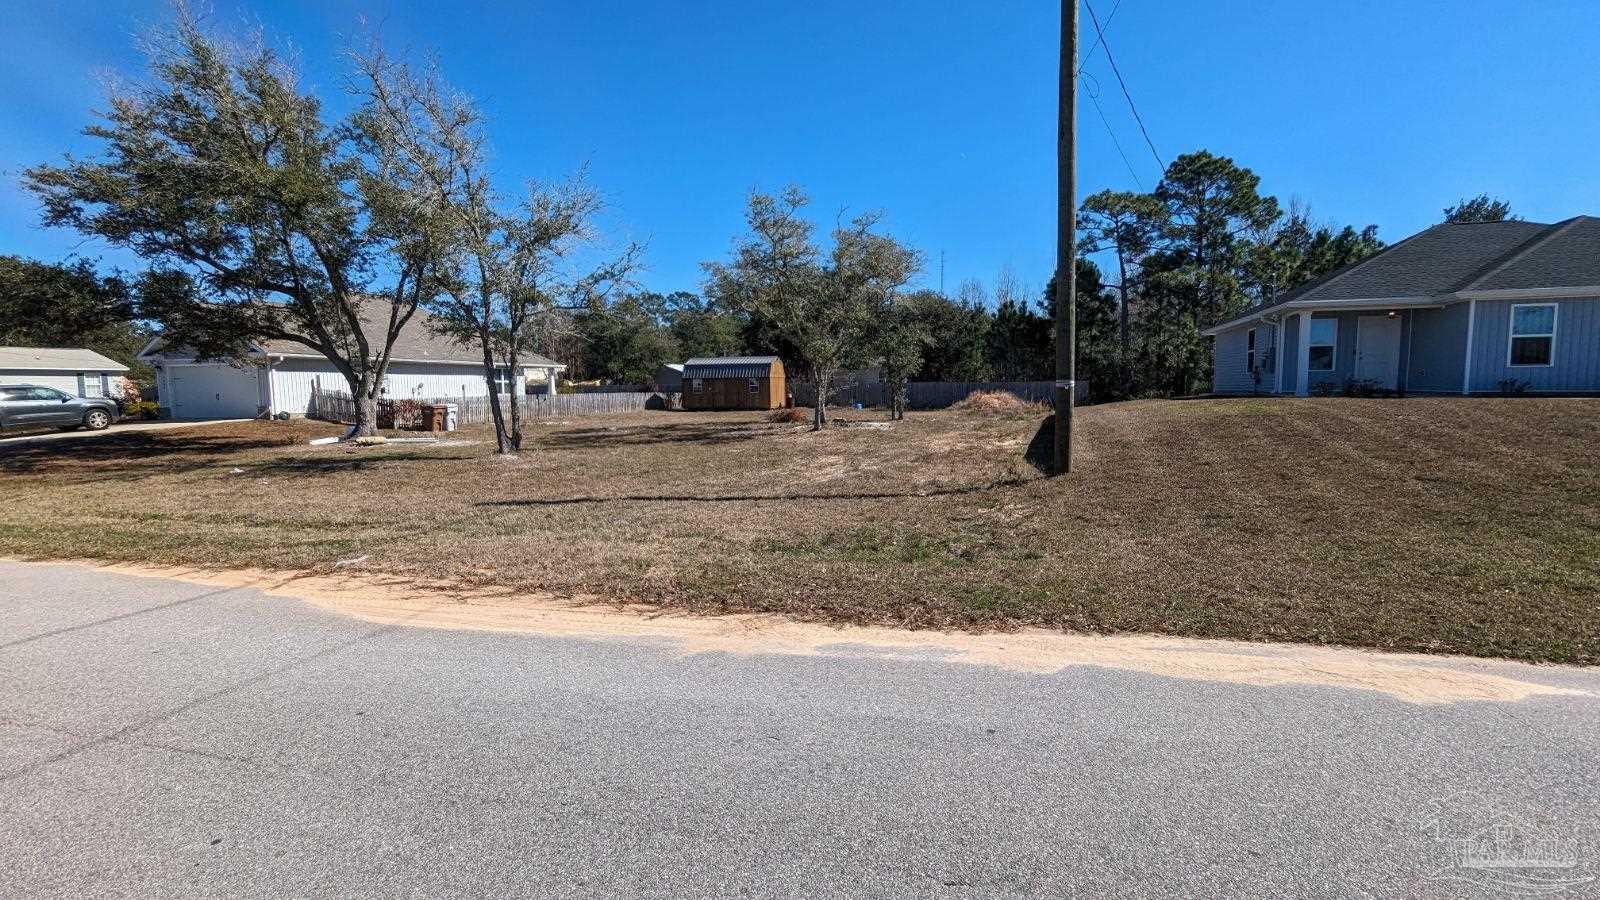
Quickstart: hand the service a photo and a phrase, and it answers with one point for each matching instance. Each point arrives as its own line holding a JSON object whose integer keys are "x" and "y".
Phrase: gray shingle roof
{"x": 415, "y": 343}
{"x": 1435, "y": 261}
{"x": 1569, "y": 256}
{"x": 729, "y": 367}
{"x": 1458, "y": 256}
{"x": 57, "y": 359}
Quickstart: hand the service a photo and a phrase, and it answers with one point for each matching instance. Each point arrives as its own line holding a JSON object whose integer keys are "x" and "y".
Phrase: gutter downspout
{"x": 1466, "y": 365}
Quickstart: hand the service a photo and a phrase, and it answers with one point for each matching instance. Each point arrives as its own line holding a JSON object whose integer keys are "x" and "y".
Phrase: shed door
{"x": 1378, "y": 350}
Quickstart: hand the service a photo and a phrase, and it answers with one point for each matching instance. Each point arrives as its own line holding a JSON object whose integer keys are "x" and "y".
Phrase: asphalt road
{"x": 159, "y": 738}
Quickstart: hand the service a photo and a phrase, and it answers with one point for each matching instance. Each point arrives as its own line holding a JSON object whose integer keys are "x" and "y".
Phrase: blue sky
{"x": 939, "y": 112}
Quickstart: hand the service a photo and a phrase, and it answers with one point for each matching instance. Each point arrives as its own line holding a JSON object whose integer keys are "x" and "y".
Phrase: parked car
{"x": 34, "y": 406}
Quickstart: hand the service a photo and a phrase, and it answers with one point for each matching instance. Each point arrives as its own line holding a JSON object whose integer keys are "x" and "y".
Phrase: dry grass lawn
{"x": 1445, "y": 525}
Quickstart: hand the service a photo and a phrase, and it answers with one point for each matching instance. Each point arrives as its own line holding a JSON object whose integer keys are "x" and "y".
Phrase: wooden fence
{"x": 927, "y": 394}
{"x": 336, "y": 406}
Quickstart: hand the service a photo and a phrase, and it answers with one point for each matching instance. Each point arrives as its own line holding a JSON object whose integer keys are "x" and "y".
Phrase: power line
{"x": 1097, "y": 41}
{"x": 1095, "y": 99}
{"x": 1129, "y": 97}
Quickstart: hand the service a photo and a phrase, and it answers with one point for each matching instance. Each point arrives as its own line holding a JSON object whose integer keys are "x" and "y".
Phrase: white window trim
{"x": 1511, "y": 334}
{"x": 1250, "y": 351}
{"x": 1334, "y": 346}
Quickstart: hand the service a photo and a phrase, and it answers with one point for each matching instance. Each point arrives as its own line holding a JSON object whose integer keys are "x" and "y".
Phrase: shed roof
{"x": 729, "y": 367}
{"x": 57, "y": 359}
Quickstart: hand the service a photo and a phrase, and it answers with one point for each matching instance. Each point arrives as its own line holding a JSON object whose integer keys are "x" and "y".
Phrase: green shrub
{"x": 141, "y": 409}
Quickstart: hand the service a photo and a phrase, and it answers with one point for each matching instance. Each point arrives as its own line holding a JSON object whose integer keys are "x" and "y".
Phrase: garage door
{"x": 213, "y": 391}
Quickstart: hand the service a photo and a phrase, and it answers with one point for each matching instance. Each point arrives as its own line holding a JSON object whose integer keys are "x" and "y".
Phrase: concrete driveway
{"x": 119, "y": 428}
{"x": 165, "y": 738}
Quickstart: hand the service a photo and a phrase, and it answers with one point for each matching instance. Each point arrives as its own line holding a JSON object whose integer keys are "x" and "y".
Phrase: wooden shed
{"x": 734, "y": 382}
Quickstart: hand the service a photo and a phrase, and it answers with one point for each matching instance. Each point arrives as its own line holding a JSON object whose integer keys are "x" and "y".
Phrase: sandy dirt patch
{"x": 1406, "y": 677}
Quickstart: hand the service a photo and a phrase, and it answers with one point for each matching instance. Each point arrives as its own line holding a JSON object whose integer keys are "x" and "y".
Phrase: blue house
{"x": 1468, "y": 308}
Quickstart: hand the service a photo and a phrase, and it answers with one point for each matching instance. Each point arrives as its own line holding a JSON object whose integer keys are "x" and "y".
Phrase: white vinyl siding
{"x": 78, "y": 384}
{"x": 67, "y": 383}
{"x": 294, "y": 379}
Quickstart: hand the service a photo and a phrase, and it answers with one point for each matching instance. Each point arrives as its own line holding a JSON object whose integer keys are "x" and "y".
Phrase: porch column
{"x": 1278, "y": 330}
{"x": 1303, "y": 364}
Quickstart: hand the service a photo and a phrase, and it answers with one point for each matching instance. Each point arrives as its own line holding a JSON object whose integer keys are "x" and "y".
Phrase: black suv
{"x": 32, "y": 406}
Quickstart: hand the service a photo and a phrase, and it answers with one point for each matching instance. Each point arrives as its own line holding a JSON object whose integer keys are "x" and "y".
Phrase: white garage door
{"x": 213, "y": 391}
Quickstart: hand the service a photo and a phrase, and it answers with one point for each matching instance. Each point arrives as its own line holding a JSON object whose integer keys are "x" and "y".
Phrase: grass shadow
{"x": 354, "y": 462}
{"x": 639, "y": 435}
{"x": 958, "y": 491}
{"x": 125, "y": 457}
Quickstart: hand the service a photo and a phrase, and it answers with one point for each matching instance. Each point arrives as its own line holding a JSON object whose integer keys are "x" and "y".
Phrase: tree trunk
{"x": 819, "y": 416}
{"x": 501, "y": 444}
{"x": 363, "y": 390}
{"x": 366, "y": 416}
{"x": 516, "y": 397}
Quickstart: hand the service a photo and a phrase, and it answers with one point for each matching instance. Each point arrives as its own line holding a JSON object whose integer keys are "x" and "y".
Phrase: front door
{"x": 1378, "y": 351}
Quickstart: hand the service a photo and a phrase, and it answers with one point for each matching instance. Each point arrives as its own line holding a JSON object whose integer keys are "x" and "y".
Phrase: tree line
{"x": 1201, "y": 247}
{"x": 260, "y": 216}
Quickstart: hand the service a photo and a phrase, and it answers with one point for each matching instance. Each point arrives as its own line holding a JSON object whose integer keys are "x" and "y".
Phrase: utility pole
{"x": 1066, "y": 238}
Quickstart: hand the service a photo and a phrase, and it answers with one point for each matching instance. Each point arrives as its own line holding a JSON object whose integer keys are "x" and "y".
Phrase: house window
{"x": 90, "y": 384}
{"x": 1324, "y": 338}
{"x": 1533, "y": 334}
{"x": 502, "y": 380}
{"x": 1250, "y": 350}
{"x": 754, "y": 385}
{"x": 695, "y": 384}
